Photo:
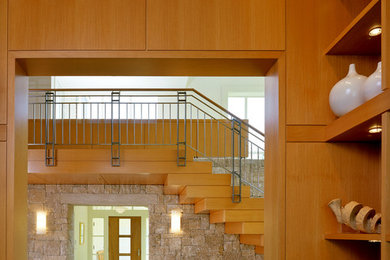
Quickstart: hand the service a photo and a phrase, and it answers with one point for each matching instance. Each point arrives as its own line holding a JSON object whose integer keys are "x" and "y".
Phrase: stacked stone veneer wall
{"x": 199, "y": 240}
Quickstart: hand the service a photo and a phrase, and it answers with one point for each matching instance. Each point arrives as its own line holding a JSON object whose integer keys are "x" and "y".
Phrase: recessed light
{"x": 375, "y": 129}
{"x": 375, "y": 31}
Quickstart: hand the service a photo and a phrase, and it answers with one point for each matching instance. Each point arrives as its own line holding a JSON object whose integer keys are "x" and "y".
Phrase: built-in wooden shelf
{"x": 354, "y": 125}
{"x": 388, "y": 238}
{"x": 354, "y": 39}
{"x": 353, "y": 236}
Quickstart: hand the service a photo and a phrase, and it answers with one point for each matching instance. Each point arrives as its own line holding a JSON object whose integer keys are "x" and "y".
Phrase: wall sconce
{"x": 41, "y": 222}
{"x": 176, "y": 221}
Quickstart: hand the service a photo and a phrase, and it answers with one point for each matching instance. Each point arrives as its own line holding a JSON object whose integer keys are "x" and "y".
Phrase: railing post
{"x": 50, "y": 108}
{"x": 236, "y": 129}
{"x": 181, "y": 141}
{"x": 115, "y": 140}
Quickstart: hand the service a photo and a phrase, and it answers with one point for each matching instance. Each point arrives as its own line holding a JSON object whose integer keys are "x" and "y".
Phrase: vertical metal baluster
{"x": 90, "y": 124}
{"x": 155, "y": 120}
{"x": 33, "y": 112}
{"x": 105, "y": 123}
{"x": 170, "y": 124}
{"x": 69, "y": 129}
{"x": 83, "y": 123}
{"x": 163, "y": 123}
{"x": 197, "y": 130}
{"x": 258, "y": 162}
{"x": 204, "y": 134}
{"x": 40, "y": 116}
{"x": 98, "y": 120}
{"x": 127, "y": 123}
{"x": 224, "y": 142}
{"x": 148, "y": 123}
{"x": 191, "y": 125}
{"x": 134, "y": 123}
{"x": 211, "y": 137}
{"x": 77, "y": 130}
{"x": 141, "y": 125}
{"x": 62, "y": 123}
{"x": 217, "y": 138}
{"x": 177, "y": 121}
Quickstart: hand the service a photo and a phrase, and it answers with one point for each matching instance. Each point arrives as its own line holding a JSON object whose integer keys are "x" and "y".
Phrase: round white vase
{"x": 347, "y": 94}
{"x": 373, "y": 85}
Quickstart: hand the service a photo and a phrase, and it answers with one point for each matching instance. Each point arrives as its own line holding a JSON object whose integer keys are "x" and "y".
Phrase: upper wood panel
{"x": 74, "y": 25}
{"x": 3, "y": 62}
{"x": 215, "y": 24}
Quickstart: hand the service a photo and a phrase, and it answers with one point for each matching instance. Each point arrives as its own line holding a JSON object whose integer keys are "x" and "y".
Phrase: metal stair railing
{"x": 158, "y": 118}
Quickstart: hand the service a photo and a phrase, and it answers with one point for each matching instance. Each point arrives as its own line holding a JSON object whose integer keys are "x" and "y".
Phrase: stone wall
{"x": 199, "y": 240}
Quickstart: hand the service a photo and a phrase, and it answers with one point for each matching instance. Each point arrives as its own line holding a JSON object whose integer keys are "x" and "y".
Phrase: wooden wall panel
{"x": 385, "y": 185}
{"x": 74, "y": 25}
{"x": 3, "y": 200}
{"x": 3, "y": 62}
{"x": 17, "y": 162}
{"x": 316, "y": 174}
{"x": 215, "y": 24}
{"x": 385, "y": 43}
{"x": 311, "y": 74}
{"x": 275, "y": 179}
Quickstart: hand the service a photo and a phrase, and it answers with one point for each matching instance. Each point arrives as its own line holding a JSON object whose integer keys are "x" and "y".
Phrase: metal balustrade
{"x": 157, "y": 118}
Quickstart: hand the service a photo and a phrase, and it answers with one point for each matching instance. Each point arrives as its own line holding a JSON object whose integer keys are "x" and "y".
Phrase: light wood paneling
{"x": 305, "y": 133}
{"x": 215, "y": 25}
{"x": 385, "y": 168}
{"x": 3, "y": 200}
{"x": 17, "y": 162}
{"x": 3, "y": 132}
{"x": 87, "y": 25}
{"x": 3, "y": 62}
{"x": 316, "y": 174}
{"x": 385, "y": 44}
{"x": 274, "y": 180}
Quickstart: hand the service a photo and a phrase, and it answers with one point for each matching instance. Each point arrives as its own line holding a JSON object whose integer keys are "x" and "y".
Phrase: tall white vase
{"x": 347, "y": 94}
{"x": 373, "y": 85}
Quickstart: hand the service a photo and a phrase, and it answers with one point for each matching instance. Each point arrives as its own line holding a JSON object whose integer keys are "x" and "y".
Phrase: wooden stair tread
{"x": 222, "y": 216}
{"x": 244, "y": 228}
{"x": 259, "y": 250}
{"x": 192, "y": 194}
{"x": 207, "y": 204}
{"x": 256, "y": 240}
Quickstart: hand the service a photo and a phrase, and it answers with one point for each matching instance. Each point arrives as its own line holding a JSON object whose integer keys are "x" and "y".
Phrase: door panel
{"x": 124, "y": 238}
{"x": 215, "y": 24}
{"x": 3, "y": 193}
{"x": 76, "y": 24}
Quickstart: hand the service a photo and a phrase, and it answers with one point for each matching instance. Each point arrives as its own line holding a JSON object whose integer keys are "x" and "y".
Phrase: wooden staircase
{"x": 194, "y": 183}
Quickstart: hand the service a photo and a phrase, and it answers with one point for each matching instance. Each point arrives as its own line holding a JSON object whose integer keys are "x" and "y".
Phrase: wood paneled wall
{"x": 215, "y": 25}
{"x": 3, "y": 62}
{"x": 77, "y": 25}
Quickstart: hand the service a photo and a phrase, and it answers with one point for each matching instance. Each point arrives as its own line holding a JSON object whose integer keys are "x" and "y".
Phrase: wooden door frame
{"x": 46, "y": 62}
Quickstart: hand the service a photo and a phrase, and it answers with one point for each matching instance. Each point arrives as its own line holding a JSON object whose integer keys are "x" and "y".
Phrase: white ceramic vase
{"x": 347, "y": 94}
{"x": 373, "y": 85}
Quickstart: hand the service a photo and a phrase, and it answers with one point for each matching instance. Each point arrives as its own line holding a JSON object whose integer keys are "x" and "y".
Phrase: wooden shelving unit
{"x": 354, "y": 125}
{"x": 388, "y": 238}
{"x": 353, "y": 236}
{"x": 354, "y": 39}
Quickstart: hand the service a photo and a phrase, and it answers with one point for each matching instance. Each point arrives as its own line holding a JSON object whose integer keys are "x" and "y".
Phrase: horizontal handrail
{"x": 154, "y": 90}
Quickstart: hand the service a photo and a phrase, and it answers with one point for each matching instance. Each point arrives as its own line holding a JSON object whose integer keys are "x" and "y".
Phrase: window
{"x": 251, "y": 108}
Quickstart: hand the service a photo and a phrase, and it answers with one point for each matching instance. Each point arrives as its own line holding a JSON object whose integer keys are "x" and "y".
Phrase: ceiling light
{"x": 375, "y": 31}
{"x": 375, "y": 129}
